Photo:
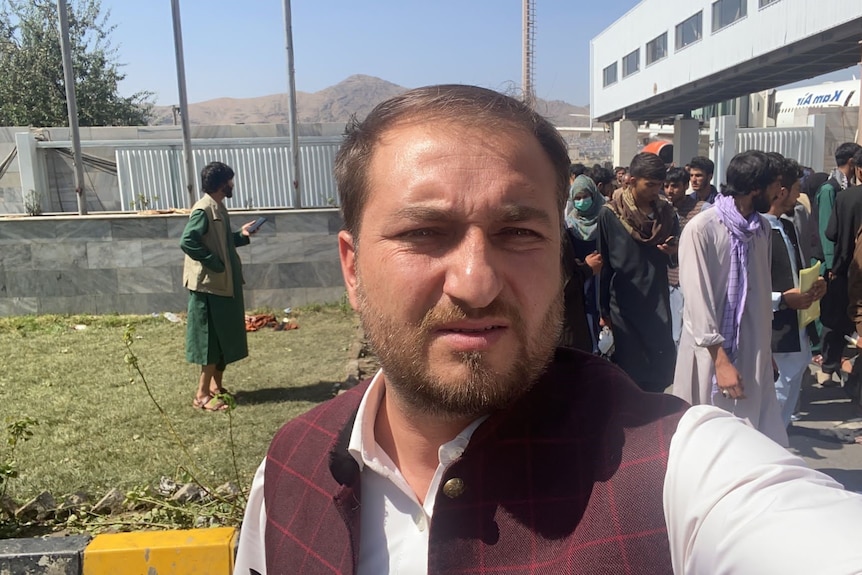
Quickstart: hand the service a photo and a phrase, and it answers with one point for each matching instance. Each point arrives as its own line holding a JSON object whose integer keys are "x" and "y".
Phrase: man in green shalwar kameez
{"x": 212, "y": 272}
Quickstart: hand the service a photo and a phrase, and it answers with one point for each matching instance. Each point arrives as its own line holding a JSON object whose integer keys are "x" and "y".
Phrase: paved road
{"x": 828, "y": 408}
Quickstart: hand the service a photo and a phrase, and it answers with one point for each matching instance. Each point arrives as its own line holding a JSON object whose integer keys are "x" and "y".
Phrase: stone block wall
{"x": 132, "y": 263}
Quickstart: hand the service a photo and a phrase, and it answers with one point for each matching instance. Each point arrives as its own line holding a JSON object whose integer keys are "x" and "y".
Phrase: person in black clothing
{"x": 638, "y": 230}
{"x": 844, "y": 224}
{"x": 791, "y": 350}
{"x": 603, "y": 178}
{"x": 833, "y": 308}
{"x": 582, "y": 232}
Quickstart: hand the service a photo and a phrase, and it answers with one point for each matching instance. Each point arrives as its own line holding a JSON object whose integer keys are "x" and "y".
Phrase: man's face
{"x": 228, "y": 189}
{"x": 699, "y": 179}
{"x": 621, "y": 176}
{"x": 647, "y": 189}
{"x": 456, "y": 273}
{"x": 675, "y": 191}
{"x": 790, "y": 196}
{"x": 606, "y": 189}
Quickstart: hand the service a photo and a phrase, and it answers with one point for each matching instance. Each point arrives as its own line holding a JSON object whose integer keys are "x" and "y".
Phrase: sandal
{"x": 209, "y": 404}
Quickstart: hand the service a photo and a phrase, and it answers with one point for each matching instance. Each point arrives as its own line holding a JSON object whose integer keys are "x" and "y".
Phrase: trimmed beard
{"x": 402, "y": 348}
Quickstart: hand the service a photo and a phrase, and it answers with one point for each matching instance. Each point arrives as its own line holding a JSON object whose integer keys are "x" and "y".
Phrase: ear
{"x": 347, "y": 254}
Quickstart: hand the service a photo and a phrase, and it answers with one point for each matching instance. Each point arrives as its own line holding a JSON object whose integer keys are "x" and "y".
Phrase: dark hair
{"x": 214, "y": 176}
{"x": 600, "y": 175}
{"x": 750, "y": 171}
{"x": 811, "y": 183}
{"x": 576, "y": 170}
{"x": 676, "y": 176}
{"x": 648, "y": 165}
{"x": 791, "y": 172}
{"x": 845, "y": 152}
{"x": 857, "y": 159}
{"x": 703, "y": 164}
{"x": 465, "y": 105}
{"x": 620, "y": 169}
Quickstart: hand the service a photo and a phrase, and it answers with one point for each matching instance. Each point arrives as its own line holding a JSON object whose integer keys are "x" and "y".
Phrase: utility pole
{"x": 291, "y": 106}
{"x": 72, "y": 105}
{"x": 184, "y": 104}
{"x": 529, "y": 22}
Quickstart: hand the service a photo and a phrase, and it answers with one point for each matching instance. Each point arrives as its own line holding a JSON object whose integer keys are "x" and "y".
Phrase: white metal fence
{"x": 151, "y": 173}
{"x": 805, "y": 144}
{"x": 796, "y": 143}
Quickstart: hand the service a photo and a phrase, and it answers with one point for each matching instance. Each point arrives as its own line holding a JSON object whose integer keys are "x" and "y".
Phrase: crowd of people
{"x": 703, "y": 290}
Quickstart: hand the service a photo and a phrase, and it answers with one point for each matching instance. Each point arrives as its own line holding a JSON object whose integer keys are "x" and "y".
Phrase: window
{"x": 689, "y": 31}
{"x": 656, "y": 49}
{"x": 725, "y": 12}
{"x": 631, "y": 63}
{"x": 610, "y": 75}
{"x": 764, "y": 3}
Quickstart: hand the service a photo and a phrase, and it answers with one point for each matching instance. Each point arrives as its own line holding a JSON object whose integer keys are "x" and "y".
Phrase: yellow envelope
{"x": 807, "y": 277}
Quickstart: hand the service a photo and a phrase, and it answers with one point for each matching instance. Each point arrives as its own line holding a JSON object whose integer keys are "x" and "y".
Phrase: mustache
{"x": 452, "y": 311}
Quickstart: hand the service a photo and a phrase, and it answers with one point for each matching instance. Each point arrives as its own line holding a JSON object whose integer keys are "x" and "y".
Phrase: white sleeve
{"x": 736, "y": 502}
{"x": 251, "y": 553}
{"x": 696, "y": 256}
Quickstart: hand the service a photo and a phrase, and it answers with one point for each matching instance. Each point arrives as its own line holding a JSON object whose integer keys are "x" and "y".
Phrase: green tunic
{"x": 215, "y": 333}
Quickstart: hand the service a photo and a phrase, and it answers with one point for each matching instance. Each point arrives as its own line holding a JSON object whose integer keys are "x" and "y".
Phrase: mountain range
{"x": 357, "y": 94}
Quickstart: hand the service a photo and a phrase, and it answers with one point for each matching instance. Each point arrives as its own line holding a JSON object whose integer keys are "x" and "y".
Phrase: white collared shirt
{"x": 734, "y": 502}
{"x": 775, "y": 224}
{"x": 394, "y": 525}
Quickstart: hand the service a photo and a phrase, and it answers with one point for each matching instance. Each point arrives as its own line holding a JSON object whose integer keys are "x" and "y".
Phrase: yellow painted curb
{"x": 191, "y": 552}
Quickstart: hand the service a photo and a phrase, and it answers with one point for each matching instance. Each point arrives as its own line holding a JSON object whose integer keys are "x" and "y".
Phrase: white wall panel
{"x": 762, "y": 31}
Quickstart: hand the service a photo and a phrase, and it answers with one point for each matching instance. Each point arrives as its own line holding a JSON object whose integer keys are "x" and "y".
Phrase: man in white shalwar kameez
{"x": 725, "y": 356}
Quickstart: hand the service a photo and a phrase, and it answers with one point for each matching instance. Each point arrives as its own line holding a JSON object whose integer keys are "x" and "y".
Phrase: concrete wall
{"x": 102, "y": 189}
{"x": 133, "y": 264}
{"x": 11, "y": 200}
{"x": 841, "y": 126}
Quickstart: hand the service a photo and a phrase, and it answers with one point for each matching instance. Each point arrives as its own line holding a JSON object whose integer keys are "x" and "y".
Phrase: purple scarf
{"x": 742, "y": 231}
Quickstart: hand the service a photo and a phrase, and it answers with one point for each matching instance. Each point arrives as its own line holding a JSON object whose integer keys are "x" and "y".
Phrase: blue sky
{"x": 237, "y": 49}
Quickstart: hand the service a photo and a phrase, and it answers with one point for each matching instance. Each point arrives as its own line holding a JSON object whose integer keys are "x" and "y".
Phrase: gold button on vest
{"x": 453, "y": 488}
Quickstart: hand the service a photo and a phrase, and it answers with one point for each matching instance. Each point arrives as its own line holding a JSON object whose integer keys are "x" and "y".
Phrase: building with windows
{"x": 665, "y": 58}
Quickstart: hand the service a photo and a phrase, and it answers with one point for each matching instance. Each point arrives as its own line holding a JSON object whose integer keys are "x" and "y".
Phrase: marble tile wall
{"x": 133, "y": 264}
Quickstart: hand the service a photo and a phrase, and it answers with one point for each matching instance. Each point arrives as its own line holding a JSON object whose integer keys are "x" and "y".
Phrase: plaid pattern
{"x": 568, "y": 480}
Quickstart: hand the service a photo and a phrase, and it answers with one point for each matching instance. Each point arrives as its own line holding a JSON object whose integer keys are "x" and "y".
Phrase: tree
{"x": 32, "y": 88}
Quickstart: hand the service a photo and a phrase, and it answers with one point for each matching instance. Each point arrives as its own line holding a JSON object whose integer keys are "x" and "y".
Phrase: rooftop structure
{"x": 668, "y": 57}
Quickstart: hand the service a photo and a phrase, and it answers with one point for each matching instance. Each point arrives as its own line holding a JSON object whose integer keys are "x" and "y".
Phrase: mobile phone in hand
{"x": 256, "y": 225}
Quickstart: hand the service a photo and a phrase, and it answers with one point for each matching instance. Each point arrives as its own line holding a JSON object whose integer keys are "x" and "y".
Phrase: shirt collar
{"x": 363, "y": 446}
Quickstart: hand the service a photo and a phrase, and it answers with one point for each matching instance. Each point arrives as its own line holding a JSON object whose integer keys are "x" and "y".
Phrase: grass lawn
{"x": 97, "y": 430}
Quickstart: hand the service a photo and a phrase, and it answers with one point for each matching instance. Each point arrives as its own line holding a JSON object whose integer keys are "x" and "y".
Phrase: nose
{"x": 472, "y": 274}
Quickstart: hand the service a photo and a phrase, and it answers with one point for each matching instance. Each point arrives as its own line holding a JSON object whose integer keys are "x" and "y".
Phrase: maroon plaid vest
{"x": 567, "y": 480}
